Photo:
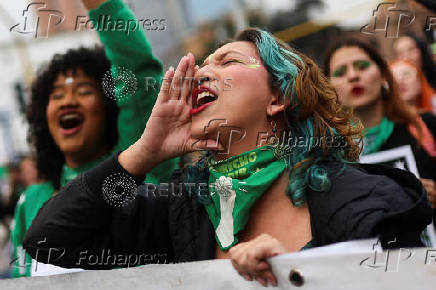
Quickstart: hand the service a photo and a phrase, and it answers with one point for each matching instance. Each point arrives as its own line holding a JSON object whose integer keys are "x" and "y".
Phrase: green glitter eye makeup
{"x": 358, "y": 65}
{"x": 361, "y": 64}
{"x": 340, "y": 71}
{"x": 227, "y": 59}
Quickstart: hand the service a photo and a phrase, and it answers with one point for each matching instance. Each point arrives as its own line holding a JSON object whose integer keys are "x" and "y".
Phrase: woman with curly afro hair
{"x": 69, "y": 117}
{"x": 85, "y": 106}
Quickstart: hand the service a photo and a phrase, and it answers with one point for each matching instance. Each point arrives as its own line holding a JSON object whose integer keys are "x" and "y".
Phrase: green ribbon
{"x": 236, "y": 184}
{"x": 376, "y": 136}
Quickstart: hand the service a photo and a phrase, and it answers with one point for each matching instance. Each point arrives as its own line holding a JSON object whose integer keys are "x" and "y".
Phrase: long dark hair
{"x": 428, "y": 65}
{"x": 393, "y": 106}
{"x": 49, "y": 157}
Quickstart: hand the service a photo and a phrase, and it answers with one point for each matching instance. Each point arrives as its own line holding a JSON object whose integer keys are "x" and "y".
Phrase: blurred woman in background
{"x": 364, "y": 82}
{"x": 417, "y": 51}
{"x": 413, "y": 86}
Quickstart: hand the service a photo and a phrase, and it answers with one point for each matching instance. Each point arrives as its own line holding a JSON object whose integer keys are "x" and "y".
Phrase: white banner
{"x": 352, "y": 265}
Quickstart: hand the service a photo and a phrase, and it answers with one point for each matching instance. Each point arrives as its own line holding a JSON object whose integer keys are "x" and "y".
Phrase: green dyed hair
{"x": 313, "y": 113}
{"x": 287, "y": 68}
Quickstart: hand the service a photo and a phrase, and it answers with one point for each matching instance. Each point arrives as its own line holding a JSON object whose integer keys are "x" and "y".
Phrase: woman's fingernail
{"x": 261, "y": 281}
{"x": 197, "y": 67}
{"x": 171, "y": 68}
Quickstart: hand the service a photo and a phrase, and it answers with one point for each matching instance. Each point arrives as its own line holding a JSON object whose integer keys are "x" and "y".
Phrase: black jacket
{"x": 400, "y": 136}
{"x": 77, "y": 226}
{"x": 425, "y": 164}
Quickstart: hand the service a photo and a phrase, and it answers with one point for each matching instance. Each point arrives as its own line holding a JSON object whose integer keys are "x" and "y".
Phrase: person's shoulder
{"x": 428, "y": 116}
{"x": 350, "y": 182}
{"x": 37, "y": 194}
{"x": 358, "y": 187}
{"x": 38, "y": 189}
{"x": 366, "y": 200}
{"x": 379, "y": 182}
{"x": 430, "y": 121}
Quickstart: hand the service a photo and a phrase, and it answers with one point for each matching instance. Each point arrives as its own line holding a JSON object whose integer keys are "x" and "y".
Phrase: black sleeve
{"x": 390, "y": 212}
{"x": 367, "y": 201}
{"x": 101, "y": 220}
{"x": 430, "y": 120}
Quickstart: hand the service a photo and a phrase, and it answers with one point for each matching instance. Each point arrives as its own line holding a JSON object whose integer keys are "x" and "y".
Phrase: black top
{"x": 425, "y": 164}
{"x": 77, "y": 225}
{"x": 401, "y": 136}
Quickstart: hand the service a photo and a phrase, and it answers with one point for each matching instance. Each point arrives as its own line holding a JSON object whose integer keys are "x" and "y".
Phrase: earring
{"x": 385, "y": 86}
{"x": 274, "y": 126}
{"x": 274, "y": 140}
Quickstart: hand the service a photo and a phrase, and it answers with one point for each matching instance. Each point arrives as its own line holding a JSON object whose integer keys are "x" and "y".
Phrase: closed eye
{"x": 232, "y": 61}
{"x": 85, "y": 92}
{"x": 57, "y": 96}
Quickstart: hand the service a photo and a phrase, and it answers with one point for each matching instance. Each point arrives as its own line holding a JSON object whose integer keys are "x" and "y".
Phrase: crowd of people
{"x": 97, "y": 153}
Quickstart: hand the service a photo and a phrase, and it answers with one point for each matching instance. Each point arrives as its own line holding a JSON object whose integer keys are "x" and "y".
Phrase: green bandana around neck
{"x": 376, "y": 136}
{"x": 236, "y": 184}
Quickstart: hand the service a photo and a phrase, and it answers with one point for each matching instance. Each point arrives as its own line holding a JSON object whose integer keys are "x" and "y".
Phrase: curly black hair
{"x": 49, "y": 157}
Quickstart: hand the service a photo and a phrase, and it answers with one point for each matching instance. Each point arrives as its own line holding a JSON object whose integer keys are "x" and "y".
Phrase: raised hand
{"x": 168, "y": 130}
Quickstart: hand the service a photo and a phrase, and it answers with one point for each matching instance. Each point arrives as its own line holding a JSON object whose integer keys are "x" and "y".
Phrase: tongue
{"x": 69, "y": 123}
{"x": 206, "y": 100}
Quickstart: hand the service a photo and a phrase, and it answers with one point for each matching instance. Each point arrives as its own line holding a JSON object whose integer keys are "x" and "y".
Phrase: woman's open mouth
{"x": 70, "y": 122}
{"x": 202, "y": 97}
{"x": 357, "y": 91}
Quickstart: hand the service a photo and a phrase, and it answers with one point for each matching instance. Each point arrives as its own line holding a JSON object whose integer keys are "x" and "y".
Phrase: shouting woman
{"x": 260, "y": 199}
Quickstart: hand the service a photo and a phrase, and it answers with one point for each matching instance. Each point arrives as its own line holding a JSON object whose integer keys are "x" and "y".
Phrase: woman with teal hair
{"x": 290, "y": 182}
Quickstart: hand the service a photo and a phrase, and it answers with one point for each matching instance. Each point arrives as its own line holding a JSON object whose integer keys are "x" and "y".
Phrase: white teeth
{"x": 203, "y": 95}
{"x": 71, "y": 116}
